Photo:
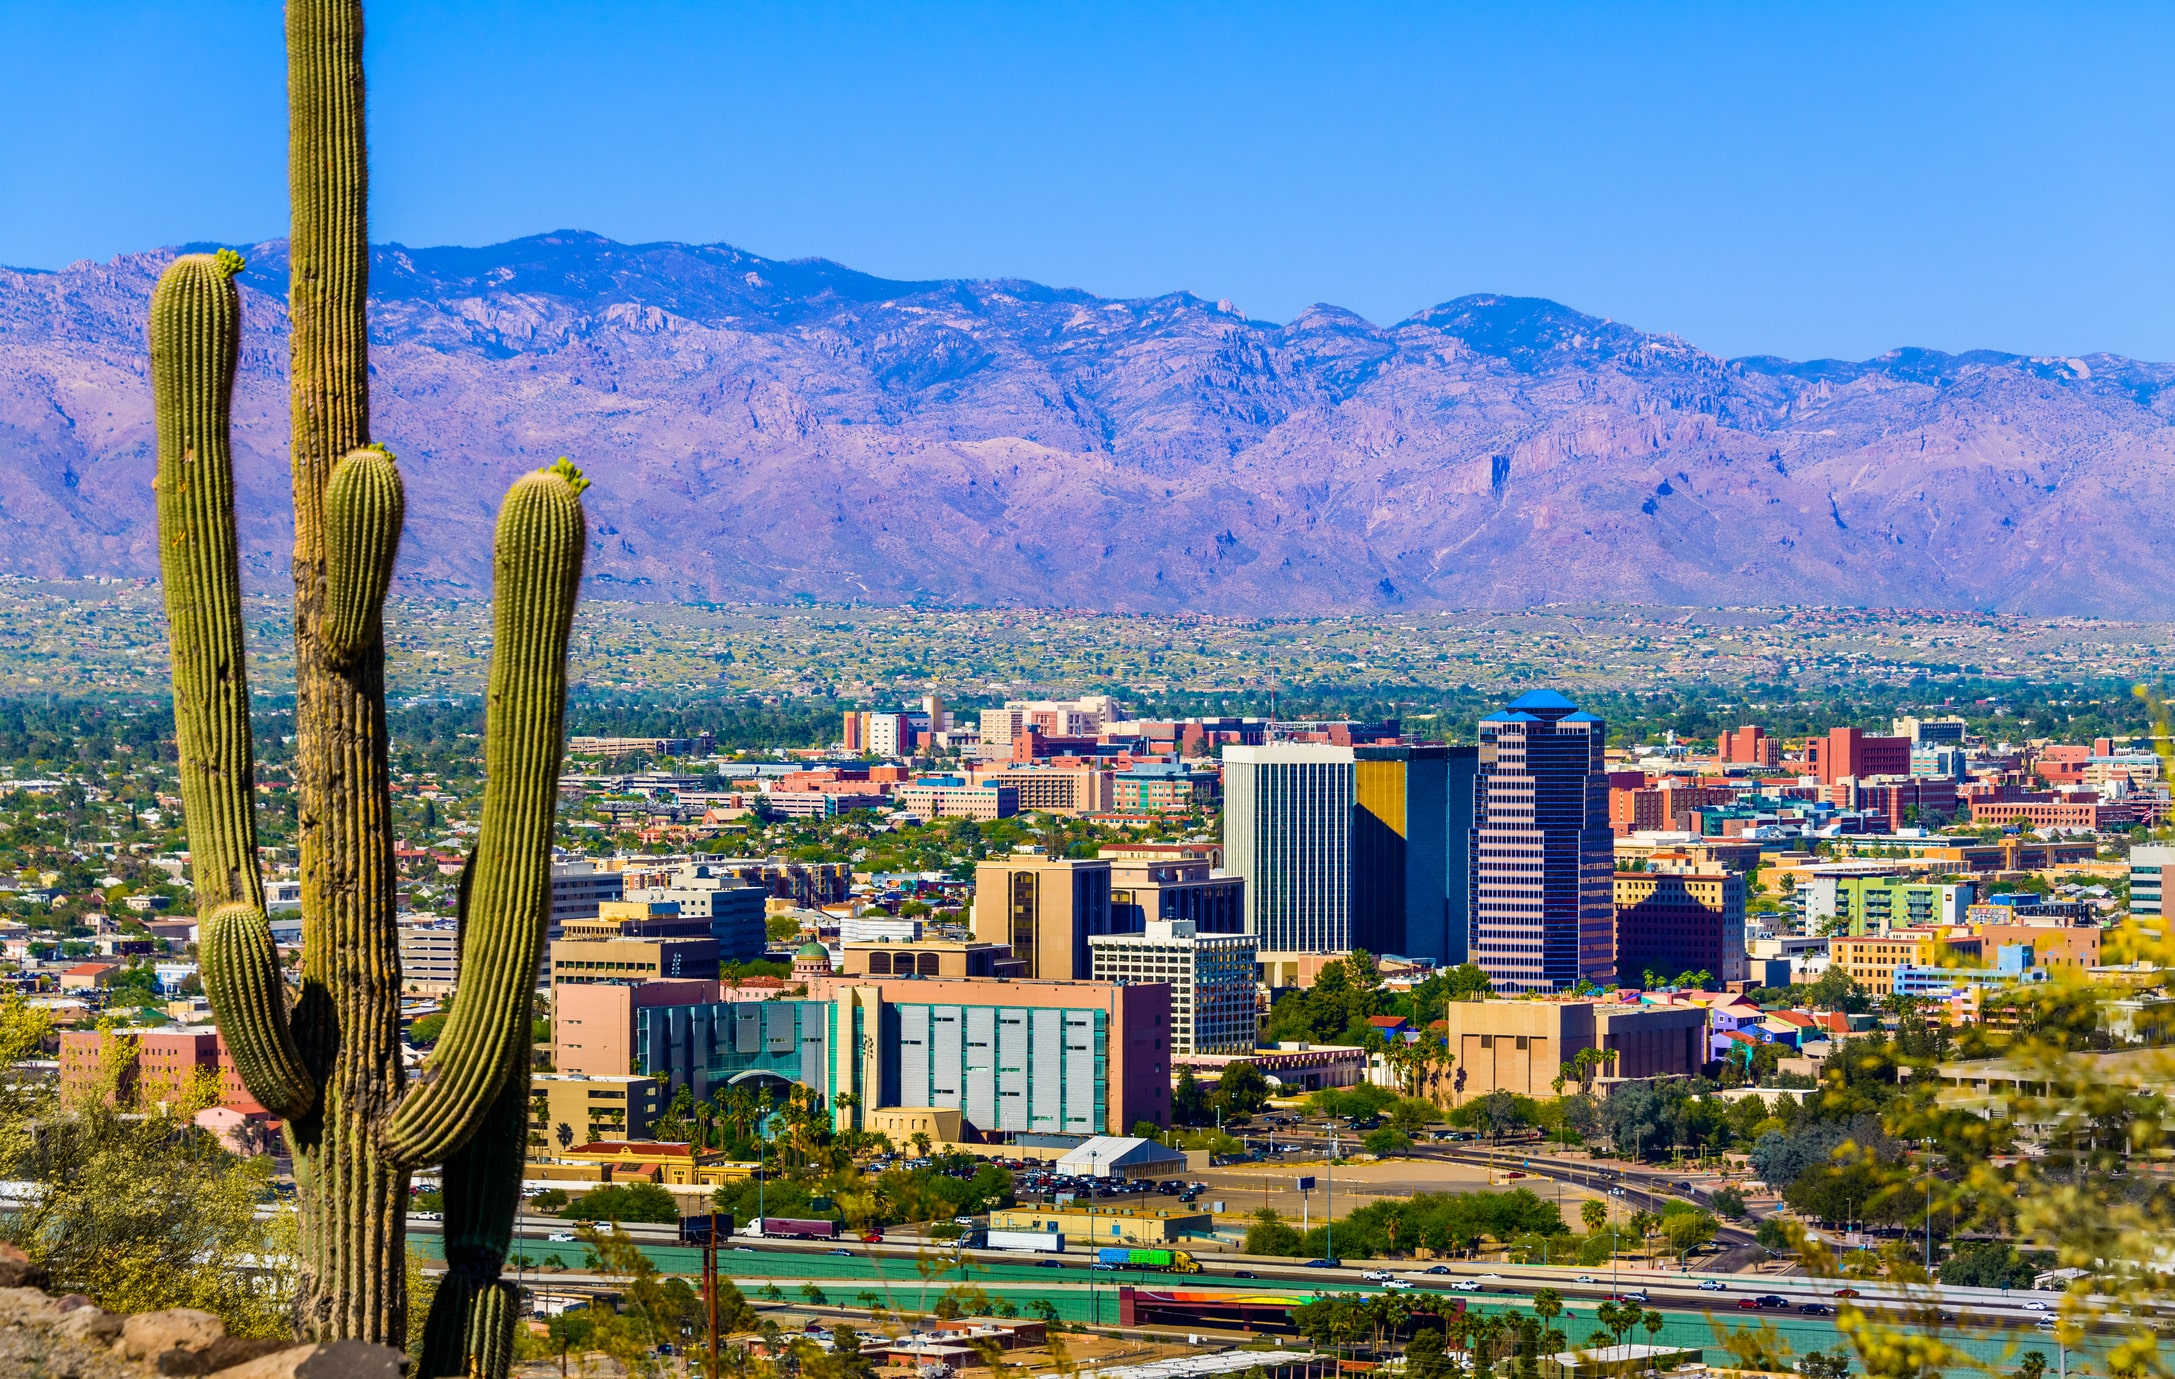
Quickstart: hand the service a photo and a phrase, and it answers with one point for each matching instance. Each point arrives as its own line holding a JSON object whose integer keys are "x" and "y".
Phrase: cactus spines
{"x": 347, "y": 1021}
{"x": 331, "y": 1063}
{"x": 196, "y": 335}
{"x": 196, "y": 323}
{"x": 364, "y": 507}
{"x": 241, "y": 976}
{"x": 536, "y": 575}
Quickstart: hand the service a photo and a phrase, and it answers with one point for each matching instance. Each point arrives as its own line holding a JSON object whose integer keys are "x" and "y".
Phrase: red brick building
{"x": 1849, "y": 752}
{"x": 1747, "y": 746}
{"x": 159, "y": 1067}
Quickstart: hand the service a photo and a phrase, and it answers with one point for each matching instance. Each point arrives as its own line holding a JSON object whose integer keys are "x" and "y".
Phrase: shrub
{"x": 626, "y": 1202}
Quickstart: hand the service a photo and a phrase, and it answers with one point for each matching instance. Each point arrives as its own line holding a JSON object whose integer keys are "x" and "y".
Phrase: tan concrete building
{"x": 1044, "y": 909}
{"x": 1521, "y": 1046}
{"x": 1871, "y": 960}
{"x": 930, "y": 958}
{"x": 2072, "y": 946}
{"x": 1098, "y": 1226}
{"x": 901, "y": 1123}
{"x": 567, "y": 1110}
{"x": 1052, "y": 789}
{"x": 1146, "y": 889}
{"x": 630, "y": 961}
{"x": 1677, "y": 915}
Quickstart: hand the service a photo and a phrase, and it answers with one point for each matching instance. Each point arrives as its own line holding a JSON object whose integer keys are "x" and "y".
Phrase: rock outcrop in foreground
{"x": 72, "y": 1338}
{"x": 761, "y": 430}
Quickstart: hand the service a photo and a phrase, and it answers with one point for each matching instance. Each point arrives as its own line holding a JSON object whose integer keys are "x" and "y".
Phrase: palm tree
{"x": 1547, "y": 1305}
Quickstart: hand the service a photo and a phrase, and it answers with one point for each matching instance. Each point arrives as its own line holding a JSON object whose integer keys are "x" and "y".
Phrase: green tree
{"x": 1241, "y": 1090}
{"x": 1686, "y": 1231}
{"x": 1425, "y": 1357}
{"x": 1189, "y": 1103}
{"x": 1270, "y": 1234}
{"x": 1385, "y": 1141}
{"x": 625, "y": 1202}
{"x": 1814, "y": 1364}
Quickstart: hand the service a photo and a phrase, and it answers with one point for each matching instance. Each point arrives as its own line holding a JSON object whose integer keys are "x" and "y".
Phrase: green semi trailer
{"x": 1170, "y": 1261}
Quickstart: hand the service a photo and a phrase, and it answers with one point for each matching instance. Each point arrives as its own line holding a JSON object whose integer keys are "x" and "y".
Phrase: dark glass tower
{"x": 1543, "y": 857}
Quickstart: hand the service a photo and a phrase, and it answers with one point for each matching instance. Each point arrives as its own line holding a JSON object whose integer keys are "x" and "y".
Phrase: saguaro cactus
{"x": 329, "y": 1062}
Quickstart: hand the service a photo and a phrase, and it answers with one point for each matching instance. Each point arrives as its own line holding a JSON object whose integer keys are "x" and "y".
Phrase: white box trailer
{"x": 1035, "y": 1242}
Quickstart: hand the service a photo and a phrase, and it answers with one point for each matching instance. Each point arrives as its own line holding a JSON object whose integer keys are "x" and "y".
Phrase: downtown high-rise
{"x": 1543, "y": 856}
{"x": 1350, "y": 847}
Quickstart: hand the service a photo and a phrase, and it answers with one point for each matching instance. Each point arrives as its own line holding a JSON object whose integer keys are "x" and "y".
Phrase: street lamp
{"x": 1329, "y": 1201}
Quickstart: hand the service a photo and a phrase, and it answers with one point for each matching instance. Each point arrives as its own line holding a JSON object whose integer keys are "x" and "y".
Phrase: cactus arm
{"x": 196, "y": 335}
{"x": 241, "y": 976}
{"x": 541, "y": 536}
{"x": 364, "y": 507}
{"x": 196, "y": 325}
{"x": 469, "y": 1330}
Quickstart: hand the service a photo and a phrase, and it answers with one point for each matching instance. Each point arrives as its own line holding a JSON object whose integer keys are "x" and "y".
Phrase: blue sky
{"x": 1800, "y": 179}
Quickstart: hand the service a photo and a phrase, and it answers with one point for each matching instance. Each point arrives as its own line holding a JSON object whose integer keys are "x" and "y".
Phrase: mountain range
{"x": 760, "y": 430}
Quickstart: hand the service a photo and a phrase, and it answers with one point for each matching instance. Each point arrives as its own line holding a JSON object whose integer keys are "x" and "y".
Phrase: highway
{"x": 789, "y": 1264}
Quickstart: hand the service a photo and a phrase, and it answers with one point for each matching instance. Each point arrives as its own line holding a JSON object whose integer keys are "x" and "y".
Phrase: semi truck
{"x": 1034, "y": 1242}
{"x": 1170, "y": 1261}
{"x": 792, "y": 1228}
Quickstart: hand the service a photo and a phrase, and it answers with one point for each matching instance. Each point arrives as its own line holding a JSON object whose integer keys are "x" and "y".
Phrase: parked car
{"x": 1515, "y": 1173}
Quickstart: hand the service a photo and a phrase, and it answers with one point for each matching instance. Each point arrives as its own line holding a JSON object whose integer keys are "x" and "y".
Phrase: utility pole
{"x": 1329, "y": 1203}
{"x": 709, "y": 1288}
{"x": 1929, "y": 1209}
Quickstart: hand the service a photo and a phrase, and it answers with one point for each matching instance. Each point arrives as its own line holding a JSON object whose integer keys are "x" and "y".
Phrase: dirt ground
{"x": 1243, "y": 1189}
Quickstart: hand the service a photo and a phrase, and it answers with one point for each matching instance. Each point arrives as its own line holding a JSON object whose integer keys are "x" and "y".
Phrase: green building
{"x": 1876, "y": 904}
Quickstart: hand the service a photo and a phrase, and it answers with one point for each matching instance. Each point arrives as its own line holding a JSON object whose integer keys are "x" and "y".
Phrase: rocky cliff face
{"x": 761, "y": 430}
